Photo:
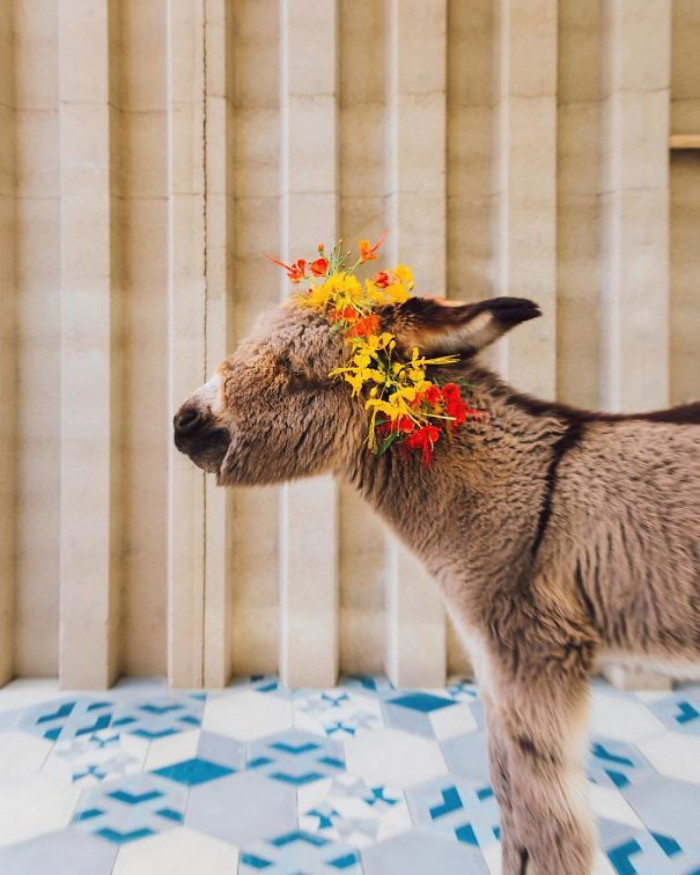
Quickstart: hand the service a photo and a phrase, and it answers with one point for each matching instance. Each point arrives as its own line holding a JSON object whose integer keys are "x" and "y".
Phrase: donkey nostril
{"x": 187, "y": 420}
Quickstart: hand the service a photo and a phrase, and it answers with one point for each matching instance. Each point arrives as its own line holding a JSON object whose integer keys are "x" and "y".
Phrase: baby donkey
{"x": 556, "y": 535}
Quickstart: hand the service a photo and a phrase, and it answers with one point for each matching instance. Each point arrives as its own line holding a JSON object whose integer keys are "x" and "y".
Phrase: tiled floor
{"x": 357, "y": 779}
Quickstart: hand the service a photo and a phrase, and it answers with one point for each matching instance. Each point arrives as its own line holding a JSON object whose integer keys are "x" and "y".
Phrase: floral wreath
{"x": 406, "y": 407}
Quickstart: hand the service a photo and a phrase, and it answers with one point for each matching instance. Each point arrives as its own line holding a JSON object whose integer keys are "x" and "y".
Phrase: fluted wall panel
{"x": 151, "y": 153}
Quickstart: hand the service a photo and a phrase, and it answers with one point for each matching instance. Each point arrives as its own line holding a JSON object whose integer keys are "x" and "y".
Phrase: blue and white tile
{"x": 347, "y": 809}
{"x": 242, "y": 808}
{"x": 639, "y": 852}
{"x": 338, "y": 713}
{"x": 105, "y": 755}
{"x": 34, "y": 806}
{"x": 430, "y": 714}
{"x": 21, "y": 755}
{"x": 372, "y": 685}
{"x": 68, "y": 718}
{"x": 263, "y": 791}
{"x": 159, "y": 716}
{"x": 171, "y": 749}
{"x": 247, "y": 714}
{"x": 467, "y": 755}
{"x": 668, "y": 808}
{"x": 459, "y": 809}
{"x": 132, "y": 809}
{"x": 181, "y": 851}
{"x": 269, "y": 684}
{"x": 680, "y": 711}
{"x": 25, "y": 692}
{"x": 296, "y": 758}
{"x": 211, "y": 757}
{"x": 418, "y": 853}
{"x": 622, "y": 718}
{"x": 609, "y": 804}
{"x": 299, "y": 851}
{"x": 674, "y": 755}
{"x": 62, "y": 852}
{"x": 461, "y": 690}
{"x": 389, "y": 756}
{"x": 616, "y": 764}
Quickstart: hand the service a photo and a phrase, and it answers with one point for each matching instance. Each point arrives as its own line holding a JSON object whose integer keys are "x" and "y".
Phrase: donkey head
{"x": 271, "y": 412}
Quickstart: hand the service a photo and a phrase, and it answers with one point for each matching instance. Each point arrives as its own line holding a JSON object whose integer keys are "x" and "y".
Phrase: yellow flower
{"x": 397, "y": 293}
{"x": 404, "y": 275}
{"x": 382, "y": 407}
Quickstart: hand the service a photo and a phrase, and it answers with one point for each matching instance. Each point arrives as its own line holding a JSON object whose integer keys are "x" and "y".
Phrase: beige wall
{"x": 152, "y": 150}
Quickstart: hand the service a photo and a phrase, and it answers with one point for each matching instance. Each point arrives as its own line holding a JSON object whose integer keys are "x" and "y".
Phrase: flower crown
{"x": 405, "y": 406}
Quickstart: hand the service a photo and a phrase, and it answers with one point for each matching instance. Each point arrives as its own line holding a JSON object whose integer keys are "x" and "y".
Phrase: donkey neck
{"x": 483, "y": 494}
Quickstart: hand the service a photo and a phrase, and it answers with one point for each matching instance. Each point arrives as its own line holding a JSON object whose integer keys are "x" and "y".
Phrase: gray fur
{"x": 556, "y": 536}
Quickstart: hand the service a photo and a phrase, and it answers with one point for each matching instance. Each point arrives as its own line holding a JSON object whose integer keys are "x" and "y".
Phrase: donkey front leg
{"x": 512, "y": 850}
{"x": 540, "y": 723}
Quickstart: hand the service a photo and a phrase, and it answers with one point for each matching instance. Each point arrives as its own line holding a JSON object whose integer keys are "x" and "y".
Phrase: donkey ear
{"x": 437, "y": 326}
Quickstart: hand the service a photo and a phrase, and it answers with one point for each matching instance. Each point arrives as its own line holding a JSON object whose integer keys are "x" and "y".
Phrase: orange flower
{"x": 349, "y": 314}
{"x": 366, "y": 325}
{"x": 382, "y": 279}
{"x": 369, "y": 252}
{"x": 295, "y": 271}
{"x": 319, "y": 267}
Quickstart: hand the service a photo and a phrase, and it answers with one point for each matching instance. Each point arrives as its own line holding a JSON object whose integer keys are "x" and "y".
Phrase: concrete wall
{"x": 152, "y": 150}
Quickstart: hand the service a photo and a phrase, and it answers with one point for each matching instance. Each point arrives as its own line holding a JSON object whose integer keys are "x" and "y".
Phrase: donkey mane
{"x": 682, "y": 414}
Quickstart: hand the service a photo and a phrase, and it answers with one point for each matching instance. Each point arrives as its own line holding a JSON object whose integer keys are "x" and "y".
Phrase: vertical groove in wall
{"x": 186, "y": 347}
{"x": 362, "y": 116}
{"x": 470, "y": 75}
{"x": 685, "y": 205}
{"x": 218, "y": 242}
{"x": 579, "y": 240}
{"x": 37, "y": 300}
{"x": 469, "y": 172}
{"x": 635, "y": 201}
{"x": 91, "y": 390}
{"x": 416, "y": 205}
{"x": 309, "y": 203}
{"x": 7, "y": 342}
{"x": 254, "y": 626}
{"x": 205, "y": 313}
{"x": 525, "y": 94}
{"x": 144, "y": 234}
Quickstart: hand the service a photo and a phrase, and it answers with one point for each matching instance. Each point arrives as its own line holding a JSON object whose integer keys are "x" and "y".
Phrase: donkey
{"x": 556, "y": 535}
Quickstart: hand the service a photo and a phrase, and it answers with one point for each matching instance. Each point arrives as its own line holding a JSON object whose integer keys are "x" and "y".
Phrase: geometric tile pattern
{"x": 361, "y": 779}
{"x": 296, "y": 758}
{"x": 131, "y": 809}
{"x": 346, "y": 808}
{"x": 459, "y": 809}
{"x": 299, "y": 851}
{"x": 338, "y": 714}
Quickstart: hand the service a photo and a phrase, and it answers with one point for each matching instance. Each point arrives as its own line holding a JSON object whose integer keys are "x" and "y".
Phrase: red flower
{"x": 319, "y": 267}
{"x": 368, "y": 252}
{"x": 455, "y": 406}
{"x": 451, "y": 390}
{"x": 433, "y": 395}
{"x": 295, "y": 271}
{"x": 405, "y": 424}
{"x": 366, "y": 325}
{"x": 382, "y": 279}
{"x": 424, "y": 439}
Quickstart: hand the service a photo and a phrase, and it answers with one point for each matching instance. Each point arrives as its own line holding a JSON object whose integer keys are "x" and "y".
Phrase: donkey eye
{"x": 297, "y": 378}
